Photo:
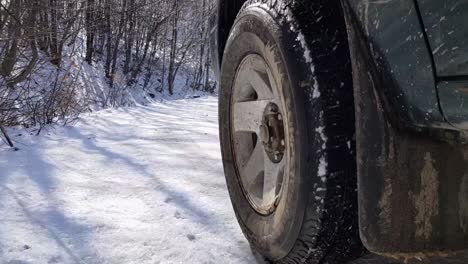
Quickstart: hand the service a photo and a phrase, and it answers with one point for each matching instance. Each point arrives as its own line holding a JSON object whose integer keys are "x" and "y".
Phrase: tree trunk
{"x": 173, "y": 53}
{"x": 55, "y": 51}
{"x": 207, "y": 73}
{"x": 107, "y": 66}
{"x": 14, "y": 33}
{"x": 130, "y": 37}
{"x": 117, "y": 41}
{"x": 163, "y": 72}
{"x": 90, "y": 31}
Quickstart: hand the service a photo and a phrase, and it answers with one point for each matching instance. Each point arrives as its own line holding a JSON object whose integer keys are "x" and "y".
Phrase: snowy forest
{"x": 109, "y": 149}
{"x": 60, "y": 58}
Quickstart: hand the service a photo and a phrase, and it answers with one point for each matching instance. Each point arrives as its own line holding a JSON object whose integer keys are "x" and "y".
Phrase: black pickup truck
{"x": 343, "y": 127}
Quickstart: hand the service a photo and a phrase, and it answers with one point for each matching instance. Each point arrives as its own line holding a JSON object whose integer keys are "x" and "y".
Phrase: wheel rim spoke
{"x": 270, "y": 180}
{"x": 254, "y": 74}
{"x": 261, "y": 84}
{"x": 248, "y": 115}
{"x": 254, "y": 165}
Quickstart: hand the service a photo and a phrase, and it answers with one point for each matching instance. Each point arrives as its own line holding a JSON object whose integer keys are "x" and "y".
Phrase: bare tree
{"x": 45, "y": 45}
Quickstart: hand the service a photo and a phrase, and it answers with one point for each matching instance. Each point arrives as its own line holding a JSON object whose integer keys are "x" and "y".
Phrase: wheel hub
{"x": 272, "y": 133}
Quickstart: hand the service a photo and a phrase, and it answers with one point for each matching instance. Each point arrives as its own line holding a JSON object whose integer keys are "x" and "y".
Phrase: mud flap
{"x": 413, "y": 186}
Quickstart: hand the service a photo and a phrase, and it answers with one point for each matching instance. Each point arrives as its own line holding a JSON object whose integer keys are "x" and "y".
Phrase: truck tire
{"x": 286, "y": 113}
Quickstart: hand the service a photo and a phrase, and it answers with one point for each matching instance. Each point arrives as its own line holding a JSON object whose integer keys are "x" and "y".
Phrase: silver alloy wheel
{"x": 259, "y": 134}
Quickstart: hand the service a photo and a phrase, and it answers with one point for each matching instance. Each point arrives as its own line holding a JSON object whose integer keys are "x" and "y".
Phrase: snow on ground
{"x": 135, "y": 185}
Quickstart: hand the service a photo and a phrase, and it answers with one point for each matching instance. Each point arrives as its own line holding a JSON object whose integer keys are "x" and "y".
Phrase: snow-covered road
{"x": 133, "y": 185}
